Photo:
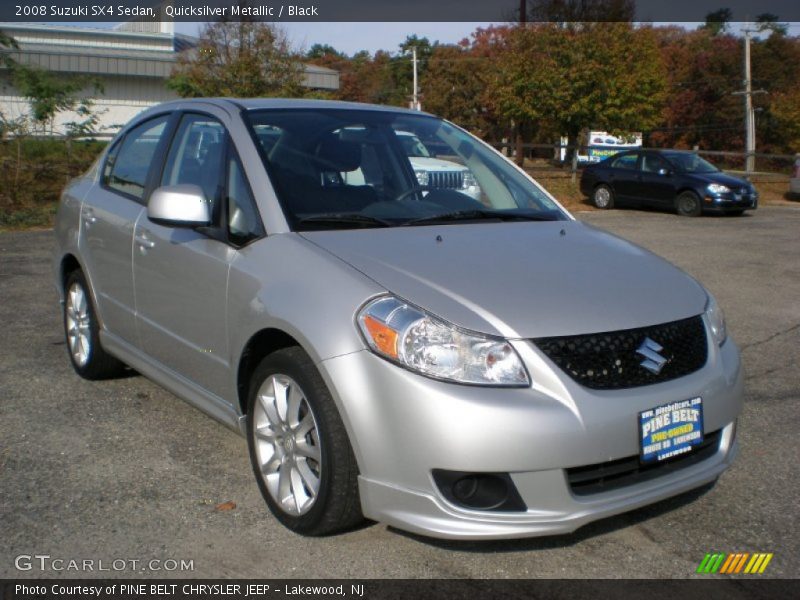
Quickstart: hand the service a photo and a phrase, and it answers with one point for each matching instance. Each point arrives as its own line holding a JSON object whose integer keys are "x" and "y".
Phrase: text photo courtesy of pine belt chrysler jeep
{"x": 454, "y": 355}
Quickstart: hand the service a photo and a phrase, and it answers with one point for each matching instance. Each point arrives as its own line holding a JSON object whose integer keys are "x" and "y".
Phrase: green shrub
{"x": 34, "y": 171}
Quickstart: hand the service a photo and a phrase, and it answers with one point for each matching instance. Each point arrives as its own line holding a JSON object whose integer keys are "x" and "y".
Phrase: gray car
{"x": 457, "y": 366}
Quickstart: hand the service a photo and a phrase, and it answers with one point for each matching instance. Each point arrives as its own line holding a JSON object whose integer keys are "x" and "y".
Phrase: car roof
{"x": 251, "y": 104}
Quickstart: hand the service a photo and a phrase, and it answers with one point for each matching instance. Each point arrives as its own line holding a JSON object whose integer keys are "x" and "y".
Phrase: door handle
{"x": 88, "y": 217}
{"x": 144, "y": 241}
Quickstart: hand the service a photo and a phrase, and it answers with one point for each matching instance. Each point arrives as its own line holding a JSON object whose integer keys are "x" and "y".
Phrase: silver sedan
{"x": 458, "y": 364}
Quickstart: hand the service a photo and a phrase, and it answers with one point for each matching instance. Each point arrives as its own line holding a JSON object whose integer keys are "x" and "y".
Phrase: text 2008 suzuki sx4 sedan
{"x": 462, "y": 365}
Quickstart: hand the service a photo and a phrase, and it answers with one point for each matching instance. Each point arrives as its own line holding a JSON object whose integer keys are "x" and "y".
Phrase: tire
{"x": 82, "y": 332}
{"x": 603, "y": 197}
{"x": 688, "y": 204}
{"x": 299, "y": 449}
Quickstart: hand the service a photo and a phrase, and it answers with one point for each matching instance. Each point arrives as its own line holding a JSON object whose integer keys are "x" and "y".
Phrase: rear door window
{"x": 127, "y": 169}
{"x": 626, "y": 161}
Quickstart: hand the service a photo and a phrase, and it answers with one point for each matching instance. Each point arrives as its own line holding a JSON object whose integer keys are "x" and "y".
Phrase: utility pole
{"x": 749, "y": 113}
{"x": 516, "y": 131}
{"x": 415, "y": 105}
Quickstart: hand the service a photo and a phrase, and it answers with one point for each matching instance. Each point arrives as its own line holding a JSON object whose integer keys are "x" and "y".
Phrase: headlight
{"x": 422, "y": 177}
{"x": 423, "y": 343}
{"x": 469, "y": 181}
{"x": 716, "y": 319}
{"x": 718, "y": 188}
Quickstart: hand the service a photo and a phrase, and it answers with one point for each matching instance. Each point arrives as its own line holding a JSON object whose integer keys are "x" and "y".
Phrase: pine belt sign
{"x": 601, "y": 145}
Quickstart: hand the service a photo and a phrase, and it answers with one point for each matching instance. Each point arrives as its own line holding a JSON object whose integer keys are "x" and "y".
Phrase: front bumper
{"x": 403, "y": 426}
{"x": 730, "y": 202}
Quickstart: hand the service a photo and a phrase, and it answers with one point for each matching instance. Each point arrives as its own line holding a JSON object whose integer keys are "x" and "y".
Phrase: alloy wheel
{"x": 602, "y": 197}
{"x": 78, "y": 322}
{"x": 287, "y": 444}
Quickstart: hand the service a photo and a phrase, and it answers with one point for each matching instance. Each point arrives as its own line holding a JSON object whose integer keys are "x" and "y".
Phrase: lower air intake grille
{"x": 615, "y": 474}
{"x": 613, "y": 361}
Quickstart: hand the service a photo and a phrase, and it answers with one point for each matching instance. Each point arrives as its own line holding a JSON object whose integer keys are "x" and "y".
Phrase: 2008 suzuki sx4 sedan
{"x": 446, "y": 351}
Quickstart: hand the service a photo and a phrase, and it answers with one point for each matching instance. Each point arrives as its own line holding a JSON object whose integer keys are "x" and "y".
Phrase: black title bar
{"x": 710, "y": 588}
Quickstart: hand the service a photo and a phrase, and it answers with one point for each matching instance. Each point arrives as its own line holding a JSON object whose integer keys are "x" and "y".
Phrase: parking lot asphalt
{"x": 123, "y": 470}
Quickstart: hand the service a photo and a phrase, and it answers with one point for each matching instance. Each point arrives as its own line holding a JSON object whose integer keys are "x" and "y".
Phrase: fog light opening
{"x": 479, "y": 491}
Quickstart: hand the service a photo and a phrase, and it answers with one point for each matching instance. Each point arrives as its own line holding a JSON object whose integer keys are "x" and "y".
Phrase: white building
{"x": 131, "y": 62}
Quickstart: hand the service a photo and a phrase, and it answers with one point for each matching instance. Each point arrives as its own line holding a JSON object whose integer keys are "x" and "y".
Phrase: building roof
{"x": 95, "y": 51}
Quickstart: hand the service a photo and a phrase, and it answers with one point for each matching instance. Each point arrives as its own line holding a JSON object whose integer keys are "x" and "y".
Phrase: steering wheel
{"x": 413, "y": 190}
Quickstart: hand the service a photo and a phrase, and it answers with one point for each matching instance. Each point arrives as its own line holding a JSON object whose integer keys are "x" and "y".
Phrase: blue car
{"x": 671, "y": 179}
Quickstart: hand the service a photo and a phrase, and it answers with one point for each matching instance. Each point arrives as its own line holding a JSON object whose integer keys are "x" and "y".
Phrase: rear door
{"x": 108, "y": 216}
{"x": 624, "y": 176}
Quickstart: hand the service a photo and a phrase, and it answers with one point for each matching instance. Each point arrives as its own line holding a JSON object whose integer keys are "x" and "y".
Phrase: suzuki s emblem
{"x": 653, "y": 361}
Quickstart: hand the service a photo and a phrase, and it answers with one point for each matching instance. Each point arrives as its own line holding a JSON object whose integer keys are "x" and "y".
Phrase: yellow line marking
{"x": 765, "y": 563}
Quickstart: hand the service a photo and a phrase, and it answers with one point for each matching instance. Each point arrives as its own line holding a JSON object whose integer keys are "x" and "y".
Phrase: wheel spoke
{"x": 301, "y": 496}
{"x": 296, "y": 400}
{"x": 285, "y": 483}
{"x": 267, "y": 434}
{"x": 309, "y": 477}
{"x": 80, "y": 301}
{"x": 267, "y": 403}
{"x": 306, "y": 425}
{"x": 271, "y": 465}
{"x": 303, "y": 448}
{"x": 280, "y": 389}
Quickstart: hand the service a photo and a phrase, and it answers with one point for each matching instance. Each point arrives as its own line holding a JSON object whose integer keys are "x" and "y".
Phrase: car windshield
{"x": 345, "y": 169}
{"x": 690, "y": 163}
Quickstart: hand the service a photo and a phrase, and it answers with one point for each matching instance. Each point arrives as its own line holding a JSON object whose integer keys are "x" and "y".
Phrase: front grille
{"x": 451, "y": 180}
{"x": 610, "y": 361}
{"x": 615, "y": 474}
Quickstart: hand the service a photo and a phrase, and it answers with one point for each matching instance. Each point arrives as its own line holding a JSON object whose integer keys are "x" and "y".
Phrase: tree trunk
{"x": 572, "y": 142}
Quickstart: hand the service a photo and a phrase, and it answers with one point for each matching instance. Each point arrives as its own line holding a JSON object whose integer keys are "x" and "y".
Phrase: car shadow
{"x": 591, "y": 530}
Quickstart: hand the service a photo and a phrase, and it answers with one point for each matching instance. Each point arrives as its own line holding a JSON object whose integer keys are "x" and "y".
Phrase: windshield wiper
{"x": 478, "y": 214}
{"x": 355, "y": 219}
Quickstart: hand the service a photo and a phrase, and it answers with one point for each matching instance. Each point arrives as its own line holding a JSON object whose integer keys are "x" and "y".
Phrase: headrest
{"x": 338, "y": 155}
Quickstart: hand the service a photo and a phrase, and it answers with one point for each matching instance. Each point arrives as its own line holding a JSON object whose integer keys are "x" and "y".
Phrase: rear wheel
{"x": 82, "y": 332}
{"x": 603, "y": 197}
{"x": 299, "y": 449}
{"x": 687, "y": 204}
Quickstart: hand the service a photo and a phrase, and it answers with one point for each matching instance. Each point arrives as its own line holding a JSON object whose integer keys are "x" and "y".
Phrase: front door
{"x": 181, "y": 274}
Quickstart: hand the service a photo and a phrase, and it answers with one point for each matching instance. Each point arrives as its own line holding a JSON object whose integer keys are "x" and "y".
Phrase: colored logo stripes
{"x": 738, "y": 562}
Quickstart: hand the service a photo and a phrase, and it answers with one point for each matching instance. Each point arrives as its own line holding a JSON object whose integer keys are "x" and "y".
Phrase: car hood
{"x": 720, "y": 177}
{"x": 434, "y": 164}
{"x": 521, "y": 280}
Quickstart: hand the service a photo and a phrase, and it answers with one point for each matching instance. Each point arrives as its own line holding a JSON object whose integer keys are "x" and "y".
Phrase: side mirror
{"x": 182, "y": 205}
{"x": 664, "y": 172}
